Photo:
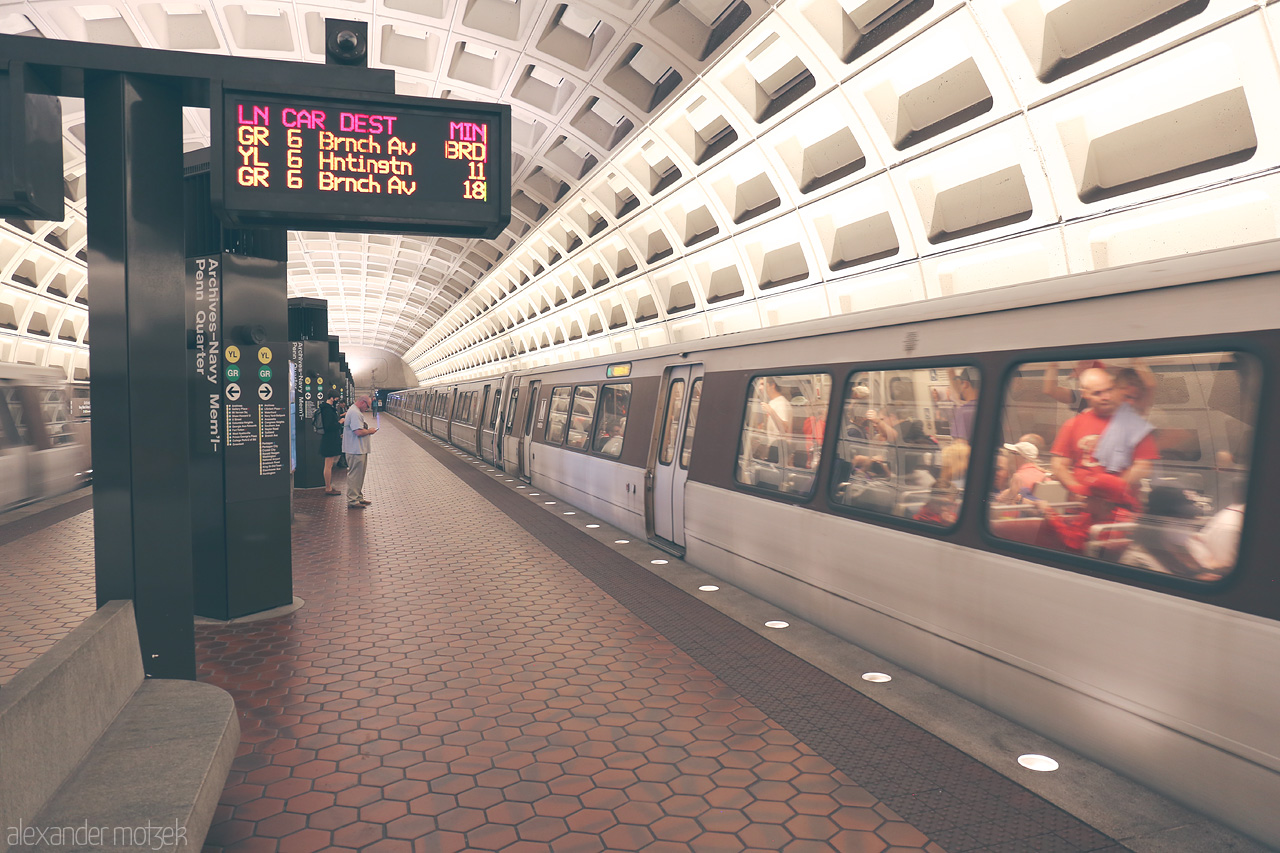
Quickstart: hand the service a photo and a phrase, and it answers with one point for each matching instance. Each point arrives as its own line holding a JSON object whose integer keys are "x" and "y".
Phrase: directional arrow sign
{"x": 264, "y": 392}
{"x": 233, "y": 392}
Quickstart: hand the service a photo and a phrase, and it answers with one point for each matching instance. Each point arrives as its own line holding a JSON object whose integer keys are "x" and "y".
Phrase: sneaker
{"x": 355, "y": 506}
{"x": 364, "y": 502}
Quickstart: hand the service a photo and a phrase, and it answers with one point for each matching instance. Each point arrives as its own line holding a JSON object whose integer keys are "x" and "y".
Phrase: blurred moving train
{"x": 921, "y": 480}
{"x": 44, "y": 434}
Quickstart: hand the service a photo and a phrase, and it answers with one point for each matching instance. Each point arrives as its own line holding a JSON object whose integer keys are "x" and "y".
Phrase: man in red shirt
{"x": 1073, "y": 464}
{"x": 1075, "y": 467}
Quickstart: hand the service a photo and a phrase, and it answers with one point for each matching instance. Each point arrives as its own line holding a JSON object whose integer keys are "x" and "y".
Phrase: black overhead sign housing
{"x": 31, "y": 147}
{"x": 338, "y": 161}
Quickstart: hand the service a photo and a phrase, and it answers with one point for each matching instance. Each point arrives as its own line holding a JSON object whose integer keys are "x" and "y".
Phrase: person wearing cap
{"x": 1023, "y": 456}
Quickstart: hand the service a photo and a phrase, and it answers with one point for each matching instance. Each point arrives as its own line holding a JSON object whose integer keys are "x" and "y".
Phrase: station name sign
{"x": 397, "y": 164}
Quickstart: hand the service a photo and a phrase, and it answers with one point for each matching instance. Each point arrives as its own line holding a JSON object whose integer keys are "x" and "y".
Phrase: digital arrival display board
{"x": 389, "y": 163}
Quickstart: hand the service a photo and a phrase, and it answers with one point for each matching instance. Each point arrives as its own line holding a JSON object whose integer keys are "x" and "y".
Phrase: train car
{"x": 922, "y": 481}
{"x": 44, "y": 435}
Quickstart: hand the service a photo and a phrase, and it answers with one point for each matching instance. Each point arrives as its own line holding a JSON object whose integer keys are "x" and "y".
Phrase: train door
{"x": 480, "y": 421}
{"x": 670, "y": 469}
{"x": 494, "y": 421}
{"x": 508, "y": 427}
{"x": 526, "y": 440}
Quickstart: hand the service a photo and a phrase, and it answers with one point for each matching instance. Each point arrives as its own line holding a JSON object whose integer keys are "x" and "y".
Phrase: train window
{"x": 56, "y": 408}
{"x": 614, "y": 402}
{"x": 11, "y": 432}
{"x": 16, "y": 424}
{"x": 495, "y": 408}
{"x": 532, "y": 410}
{"x": 671, "y": 423}
{"x": 559, "y": 419}
{"x": 903, "y": 447}
{"x": 511, "y": 409}
{"x": 686, "y": 445}
{"x": 782, "y": 432}
{"x": 583, "y": 416}
{"x": 80, "y": 402}
{"x": 1138, "y": 462}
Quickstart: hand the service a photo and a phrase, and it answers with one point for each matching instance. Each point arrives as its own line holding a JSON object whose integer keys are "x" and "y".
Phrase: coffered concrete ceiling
{"x": 685, "y": 168}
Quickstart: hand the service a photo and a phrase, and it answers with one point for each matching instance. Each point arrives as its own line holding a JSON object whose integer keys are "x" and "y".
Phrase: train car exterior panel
{"x": 1121, "y": 674}
{"x": 1163, "y": 675}
{"x": 607, "y": 490}
{"x": 44, "y": 435}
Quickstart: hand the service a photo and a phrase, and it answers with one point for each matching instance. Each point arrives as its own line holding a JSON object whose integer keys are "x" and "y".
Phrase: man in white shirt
{"x": 777, "y": 412}
{"x": 1216, "y": 545}
{"x": 357, "y": 432}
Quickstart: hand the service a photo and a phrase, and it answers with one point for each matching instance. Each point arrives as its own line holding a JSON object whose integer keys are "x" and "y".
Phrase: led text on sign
{"x": 356, "y": 161}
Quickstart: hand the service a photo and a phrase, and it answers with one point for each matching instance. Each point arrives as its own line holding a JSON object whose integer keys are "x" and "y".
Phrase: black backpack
{"x": 317, "y": 421}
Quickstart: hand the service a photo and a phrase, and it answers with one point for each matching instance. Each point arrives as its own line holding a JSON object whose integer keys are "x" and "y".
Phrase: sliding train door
{"x": 526, "y": 440}
{"x": 670, "y": 468}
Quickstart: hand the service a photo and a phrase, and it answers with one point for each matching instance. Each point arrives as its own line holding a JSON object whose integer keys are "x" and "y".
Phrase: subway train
{"x": 1052, "y": 499}
{"x": 44, "y": 434}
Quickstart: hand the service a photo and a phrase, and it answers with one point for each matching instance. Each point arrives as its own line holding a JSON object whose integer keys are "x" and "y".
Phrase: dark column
{"x": 334, "y": 375}
{"x": 142, "y": 502}
{"x": 309, "y": 340}
{"x": 239, "y": 373}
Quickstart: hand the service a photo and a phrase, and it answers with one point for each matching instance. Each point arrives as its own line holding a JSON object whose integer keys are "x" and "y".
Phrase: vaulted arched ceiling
{"x": 685, "y": 168}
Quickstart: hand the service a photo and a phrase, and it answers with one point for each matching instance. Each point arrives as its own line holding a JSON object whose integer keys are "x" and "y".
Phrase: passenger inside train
{"x": 1149, "y": 472}
{"x": 905, "y": 448}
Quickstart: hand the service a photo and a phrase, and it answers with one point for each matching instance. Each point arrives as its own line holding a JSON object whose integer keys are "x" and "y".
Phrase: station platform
{"x": 475, "y": 668}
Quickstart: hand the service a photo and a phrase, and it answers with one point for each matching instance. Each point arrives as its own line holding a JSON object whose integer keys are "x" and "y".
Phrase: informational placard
{"x": 399, "y": 164}
{"x": 256, "y": 404}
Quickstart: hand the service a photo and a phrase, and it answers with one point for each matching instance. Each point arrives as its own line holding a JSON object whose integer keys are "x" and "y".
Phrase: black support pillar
{"x": 142, "y": 501}
{"x": 309, "y": 339}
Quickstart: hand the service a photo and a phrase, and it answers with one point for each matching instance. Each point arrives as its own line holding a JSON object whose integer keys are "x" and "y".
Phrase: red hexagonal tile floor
{"x": 454, "y": 684}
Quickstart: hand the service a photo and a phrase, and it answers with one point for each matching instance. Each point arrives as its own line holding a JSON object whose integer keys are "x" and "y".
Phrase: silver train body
{"x": 1168, "y": 679}
{"x": 44, "y": 434}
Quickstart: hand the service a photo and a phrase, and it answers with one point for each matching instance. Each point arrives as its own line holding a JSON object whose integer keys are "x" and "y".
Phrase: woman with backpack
{"x": 330, "y": 428}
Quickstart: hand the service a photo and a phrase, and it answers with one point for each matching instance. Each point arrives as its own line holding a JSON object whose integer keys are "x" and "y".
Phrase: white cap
{"x": 1025, "y": 449}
